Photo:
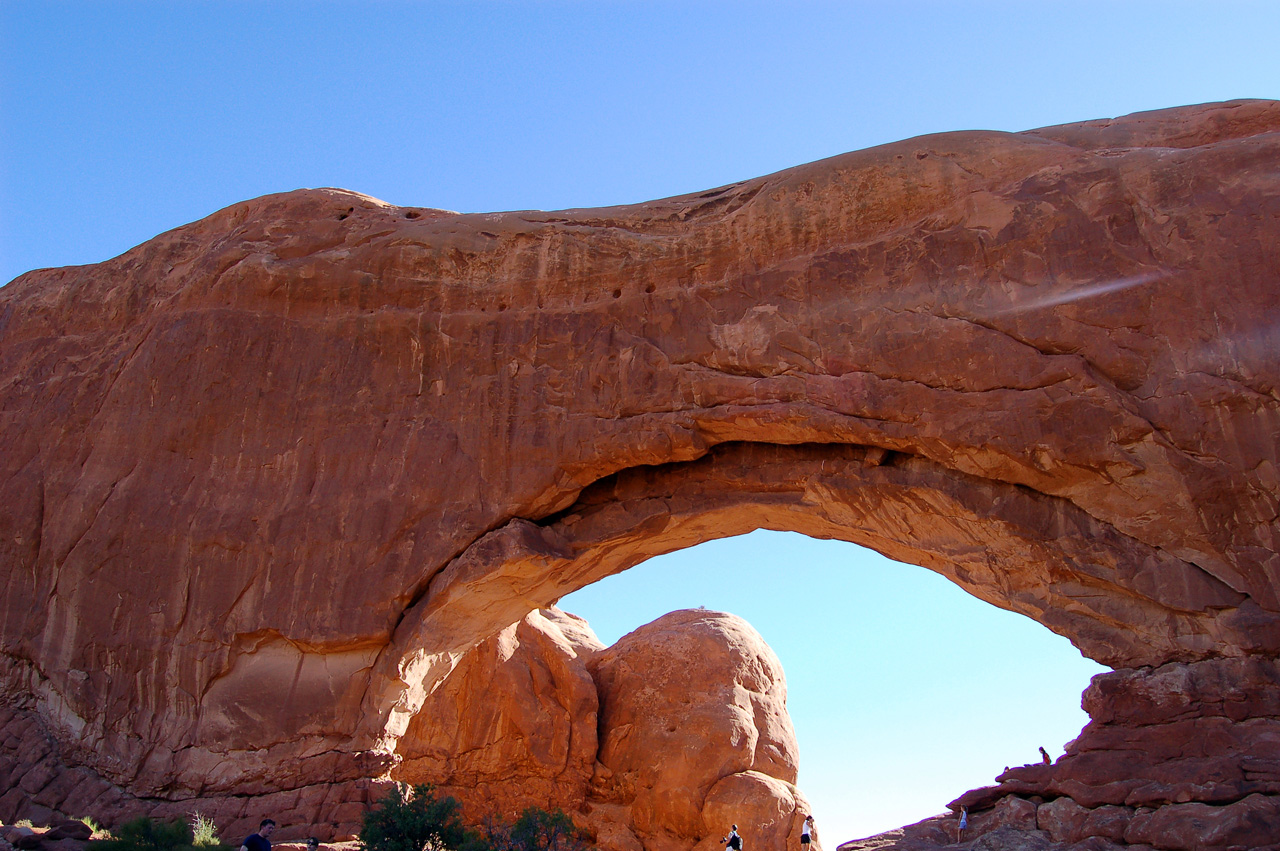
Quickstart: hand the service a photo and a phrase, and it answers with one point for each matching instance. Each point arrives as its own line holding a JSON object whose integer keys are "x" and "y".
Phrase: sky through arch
{"x": 904, "y": 690}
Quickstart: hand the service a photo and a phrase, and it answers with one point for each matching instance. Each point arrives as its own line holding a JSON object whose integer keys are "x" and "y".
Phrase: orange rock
{"x": 687, "y": 703}
{"x": 694, "y": 731}
{"x": 269, "y": 475}
{"x": 514, "y": 725}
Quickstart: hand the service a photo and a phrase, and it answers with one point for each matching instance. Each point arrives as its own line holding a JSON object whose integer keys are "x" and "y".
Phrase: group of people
{"x": 733, "y": 841}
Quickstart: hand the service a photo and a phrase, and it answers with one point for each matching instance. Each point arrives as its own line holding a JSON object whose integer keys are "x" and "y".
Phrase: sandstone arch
{"x": 319, "y": 439}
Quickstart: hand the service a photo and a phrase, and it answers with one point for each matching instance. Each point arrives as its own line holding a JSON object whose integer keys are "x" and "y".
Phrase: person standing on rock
{"x": 805, "y": 830}
{"x": 260, "y": 841}
{"x": 1044, "y": 757}
{"x": 733, "y": 840}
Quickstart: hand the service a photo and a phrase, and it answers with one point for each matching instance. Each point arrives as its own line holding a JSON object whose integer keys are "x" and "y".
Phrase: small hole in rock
{"x": 617, "y": 293}
{"x": 502, "y": 307}
{"x": 650, "y": 289}
{"x": 412, "y": 214}
{"x": 349, "y": 211}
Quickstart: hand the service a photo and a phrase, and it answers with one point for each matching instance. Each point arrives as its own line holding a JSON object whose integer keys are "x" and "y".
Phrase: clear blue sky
{"x": 121, "y": 120}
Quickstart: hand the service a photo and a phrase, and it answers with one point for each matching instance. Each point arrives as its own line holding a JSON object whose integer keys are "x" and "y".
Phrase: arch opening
{"x": 1122, "y": 602}
{"x": 1022, "y": 550}
{"x": 904, "y": 690}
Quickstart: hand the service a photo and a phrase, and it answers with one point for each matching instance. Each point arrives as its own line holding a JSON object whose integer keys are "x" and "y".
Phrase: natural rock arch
{"x": 319, "y": 439}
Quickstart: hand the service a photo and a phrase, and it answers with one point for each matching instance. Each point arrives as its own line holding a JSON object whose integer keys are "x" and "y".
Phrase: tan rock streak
{"x": 278, "y": 469}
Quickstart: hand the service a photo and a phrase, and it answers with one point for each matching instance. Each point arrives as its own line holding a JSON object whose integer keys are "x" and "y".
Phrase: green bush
{"x": 536, "y": 830}
{"x": 416, "y": 820}
{"x": 143, "y": 834}
{"x": 98, "y": 831}
{"x": 539, "y": 830}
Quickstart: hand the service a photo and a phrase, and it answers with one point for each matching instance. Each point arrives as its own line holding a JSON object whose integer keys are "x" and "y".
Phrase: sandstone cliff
{"x": 322, "y": 441}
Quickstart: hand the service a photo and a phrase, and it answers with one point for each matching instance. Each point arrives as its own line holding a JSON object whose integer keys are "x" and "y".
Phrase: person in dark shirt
{"x": 260, "y": 841}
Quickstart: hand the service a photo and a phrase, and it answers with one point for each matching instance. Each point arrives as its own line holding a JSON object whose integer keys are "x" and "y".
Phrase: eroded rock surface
{"x": 695, "y": 734}
{"x": 515, "y": 723}
{"x": 660, "y": 741}
{"x": 1180, "y": 756}
{"x": 268, "y": 476}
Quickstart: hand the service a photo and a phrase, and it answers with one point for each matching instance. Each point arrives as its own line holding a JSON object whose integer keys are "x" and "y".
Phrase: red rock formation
{"x": 268, "y": 475}
{"x": 1180, "y": 756}
{"x": 514, "y": 725}
{"x": 695, "y": 736}
{"x": 541, "y": 715}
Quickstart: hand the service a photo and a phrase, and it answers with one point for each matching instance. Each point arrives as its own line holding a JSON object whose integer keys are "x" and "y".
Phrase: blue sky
{"x": 120, "y": 120}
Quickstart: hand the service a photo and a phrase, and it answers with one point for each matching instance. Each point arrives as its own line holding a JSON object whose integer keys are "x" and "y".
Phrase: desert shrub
{"x": 536, "y": 830}
{"x": 204, "y": 833}
{"x": 415, "y": 820}
{"x": 539, "y": 830}
{"x": 143, "y": 834}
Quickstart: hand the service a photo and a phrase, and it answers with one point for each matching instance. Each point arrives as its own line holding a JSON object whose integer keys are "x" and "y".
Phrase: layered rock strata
{"x": 1180, "y": 756}
{"x": 268, "y": 476}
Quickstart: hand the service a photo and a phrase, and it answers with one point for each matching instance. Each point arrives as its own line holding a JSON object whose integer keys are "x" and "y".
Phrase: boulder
{"x": 514, "y": 724}
{"x": 1248, "y": 823}
{"x": 690, "y": 705}
{"x": 542, "y": 714}
{"x": 69, "y": 829}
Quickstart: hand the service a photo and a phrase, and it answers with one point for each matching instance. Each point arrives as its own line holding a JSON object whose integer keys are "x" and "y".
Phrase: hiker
{"x": 1044, "y": 757}
{"x": 313, "y": 844}
{"x": 733, "y": 840}
{"x": 259, "y": 841}
{"x": 805, "y": 832}
{"x": 964, "y": 823}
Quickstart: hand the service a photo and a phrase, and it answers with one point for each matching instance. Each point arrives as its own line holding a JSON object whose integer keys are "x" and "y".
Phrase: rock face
{"x": 541, "y": 715}
{"x": 695, "y": 734}
{"x": 1180, "y": 756}
{"x": 515, "y": 724}
{"x": 538, "y": 715}
{"x": 268, "y": 476}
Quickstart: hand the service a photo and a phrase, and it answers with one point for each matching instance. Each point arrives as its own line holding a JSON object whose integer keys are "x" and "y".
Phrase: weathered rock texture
{"x": 268, "y": 475}
{"x": 694, "y": 734}
{"x": 542, "y": 715}
{"x": 515, "y": 725}
{"x": 1182, "y": 756}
